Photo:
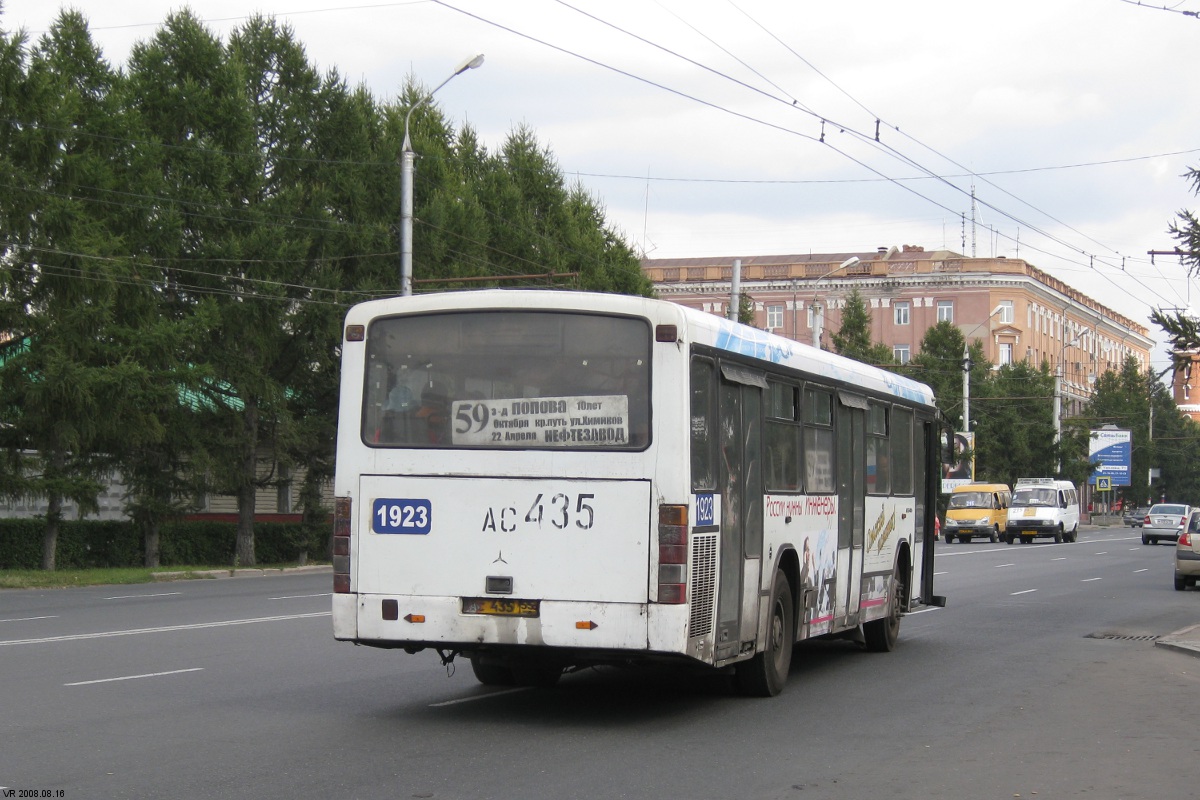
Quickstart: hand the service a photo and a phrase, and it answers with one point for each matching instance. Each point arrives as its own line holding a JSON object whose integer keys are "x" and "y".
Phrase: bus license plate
{"x": 500, "y": 608}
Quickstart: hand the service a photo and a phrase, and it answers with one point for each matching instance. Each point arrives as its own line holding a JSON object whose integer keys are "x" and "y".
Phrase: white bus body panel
{"x": 591, "y": 542}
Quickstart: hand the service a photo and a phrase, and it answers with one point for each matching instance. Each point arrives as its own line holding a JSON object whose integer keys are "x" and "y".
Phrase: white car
{"x": 1165, "y": 521}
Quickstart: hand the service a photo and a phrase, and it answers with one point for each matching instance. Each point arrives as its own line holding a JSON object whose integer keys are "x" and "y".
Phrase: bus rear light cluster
{"x": 672, "y": 554}
{"x": 341, "y": 545}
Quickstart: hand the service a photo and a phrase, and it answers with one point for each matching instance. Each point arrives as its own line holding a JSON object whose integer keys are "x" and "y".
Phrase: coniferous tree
{"x": 853, "y": 338}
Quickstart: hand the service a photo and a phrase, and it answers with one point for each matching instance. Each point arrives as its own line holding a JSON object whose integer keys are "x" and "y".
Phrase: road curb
{"x": 1185, "y": 640}
{"x": 241, "y": 572}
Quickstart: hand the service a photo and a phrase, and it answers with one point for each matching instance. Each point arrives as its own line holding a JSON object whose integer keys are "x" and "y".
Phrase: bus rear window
{"x": 508, "y": 379}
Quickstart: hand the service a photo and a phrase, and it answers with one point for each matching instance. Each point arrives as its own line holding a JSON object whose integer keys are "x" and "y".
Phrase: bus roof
{"x": 702, "y": 327}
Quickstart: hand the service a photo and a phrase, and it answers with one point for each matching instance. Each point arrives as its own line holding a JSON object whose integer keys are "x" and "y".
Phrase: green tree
{"x": 68, "y": 379}
{"x": 939, "y": 363}
{"x": 1122, "y": 399}
{"x": 1182, "y": 328}
{"x": 1014, "y": 423}
{"x": 1175, "y": 452}
{"x": 853, "y": 338}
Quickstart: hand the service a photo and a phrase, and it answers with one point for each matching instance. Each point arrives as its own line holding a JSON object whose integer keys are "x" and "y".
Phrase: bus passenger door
{"x": 739, "y": 412}
{"x": 851, "y": 487}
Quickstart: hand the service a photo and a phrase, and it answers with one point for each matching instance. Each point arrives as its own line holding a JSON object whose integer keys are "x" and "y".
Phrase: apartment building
{"x": 1017, "y": 311}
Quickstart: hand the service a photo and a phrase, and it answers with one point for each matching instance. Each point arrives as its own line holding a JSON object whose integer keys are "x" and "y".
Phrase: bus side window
{"x": 703, "y": 438}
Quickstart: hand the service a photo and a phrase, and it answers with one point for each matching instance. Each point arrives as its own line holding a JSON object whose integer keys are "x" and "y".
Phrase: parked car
{"x": 1187, "y": 554}
{"x": 1165, "y": 521}
{"x": 1135, "y": 515}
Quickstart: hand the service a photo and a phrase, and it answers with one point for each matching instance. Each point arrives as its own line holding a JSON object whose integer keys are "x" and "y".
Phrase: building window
{"x": 901, "y": 310}
{"x": 901, "y": 353}
{"x": 1006, "y": 314}
{"x": 283, "y": 491}
{"x": 945, "y": 311}
{"x": 809, "y": 315}
{"x": 1006, "y": 353}
{"x": 774, "y": 317}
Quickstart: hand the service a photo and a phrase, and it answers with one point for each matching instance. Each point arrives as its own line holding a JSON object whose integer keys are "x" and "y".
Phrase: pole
{"x": 966, "y": 368}
{"x": 1058, "y": 383}
{"x": 406, "y": 214}
{"x": 735, "y": 288}
{"x": 407, "y": 157}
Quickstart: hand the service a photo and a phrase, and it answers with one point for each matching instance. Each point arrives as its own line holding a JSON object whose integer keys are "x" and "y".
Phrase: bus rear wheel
{"x": 536, "y": 673}
{"x": 881, "y": 634}
{"x": 765, "y": 674}
{"x": 491, "y": 673}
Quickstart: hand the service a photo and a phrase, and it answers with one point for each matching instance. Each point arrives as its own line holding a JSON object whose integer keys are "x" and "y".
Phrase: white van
{"x": 1043, "y": 507}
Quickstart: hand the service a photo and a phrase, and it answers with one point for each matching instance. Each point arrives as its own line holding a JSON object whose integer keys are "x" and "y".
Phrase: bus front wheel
{"x": 765, "y": 674}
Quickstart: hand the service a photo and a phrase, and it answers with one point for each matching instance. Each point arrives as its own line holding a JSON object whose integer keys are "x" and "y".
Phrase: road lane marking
{"x": 1143, "y": 569}
{"x": 1060, "y": 558}
{"x": 1089, "y": 580}
{"x": 299, "y": 596}
{"x": 1102, "y": 553}
{"x": 998, "y": 566}
{"x": 478, "y": 697}
{"x": 134, "y": 677}
{"x": 28, "y": 619}
{"x": 1023, "y": 591}
{"x": 941, "y": 573}
{"x": 196, "y": 626}
{"x": 133, "y": 596}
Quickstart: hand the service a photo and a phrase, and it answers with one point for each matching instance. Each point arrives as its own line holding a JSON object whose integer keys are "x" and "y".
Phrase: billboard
{"x": 961, "y": 470}
{"x": 1113, "y": 449}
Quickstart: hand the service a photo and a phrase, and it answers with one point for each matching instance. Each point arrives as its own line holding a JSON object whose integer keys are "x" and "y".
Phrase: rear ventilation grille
{"x": 702, "y": 584}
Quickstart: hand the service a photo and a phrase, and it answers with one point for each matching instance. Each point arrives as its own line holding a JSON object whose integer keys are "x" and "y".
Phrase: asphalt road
{"x": 1039, "y": 680}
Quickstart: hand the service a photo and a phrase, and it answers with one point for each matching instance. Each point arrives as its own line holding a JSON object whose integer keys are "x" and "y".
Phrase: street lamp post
{"x": 406, "y": 180}
{"x": 966, "y": 365}
{"x": 817, "y": 307}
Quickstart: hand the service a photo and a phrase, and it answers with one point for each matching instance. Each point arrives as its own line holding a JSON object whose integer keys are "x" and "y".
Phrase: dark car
{"x": 1135, "y": 516}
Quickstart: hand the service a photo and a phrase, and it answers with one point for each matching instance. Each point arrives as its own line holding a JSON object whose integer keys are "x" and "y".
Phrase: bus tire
{"x": 765, "y": 674}
{"x": 1058, "y": 535}
{"x": 491, "y": 673}
{"x": 881, "y": 634}
{"x": 536, "y": 674}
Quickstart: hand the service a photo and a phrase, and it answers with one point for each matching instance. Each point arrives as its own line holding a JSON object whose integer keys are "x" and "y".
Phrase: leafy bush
{"x": 92, "y": 544}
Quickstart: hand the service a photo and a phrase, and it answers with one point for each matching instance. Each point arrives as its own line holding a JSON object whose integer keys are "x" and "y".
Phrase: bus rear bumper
{"x": 438, "y": 621}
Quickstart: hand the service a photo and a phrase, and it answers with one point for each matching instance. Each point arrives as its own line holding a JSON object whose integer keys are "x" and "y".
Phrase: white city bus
{"x": 543, "y": 480}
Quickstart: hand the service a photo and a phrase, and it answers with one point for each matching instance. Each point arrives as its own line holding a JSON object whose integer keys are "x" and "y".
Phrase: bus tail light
{"x": 341, "y": 545}
{"x": 672, "y": 554}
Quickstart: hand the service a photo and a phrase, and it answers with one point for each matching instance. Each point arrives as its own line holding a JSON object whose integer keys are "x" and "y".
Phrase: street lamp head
{"x": 470, "y": 63}
{"x": 996, "y": 310}
{"x": 852, "y": 261}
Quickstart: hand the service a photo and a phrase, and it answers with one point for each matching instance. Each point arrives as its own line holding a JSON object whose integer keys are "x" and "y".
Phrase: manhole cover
{"x": 1125, "y": 637}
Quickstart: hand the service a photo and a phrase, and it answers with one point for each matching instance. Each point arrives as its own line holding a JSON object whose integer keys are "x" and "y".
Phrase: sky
{"x": 1057, "y": 131}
